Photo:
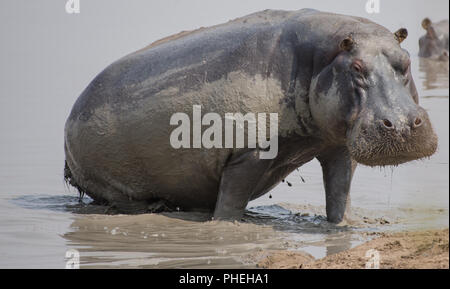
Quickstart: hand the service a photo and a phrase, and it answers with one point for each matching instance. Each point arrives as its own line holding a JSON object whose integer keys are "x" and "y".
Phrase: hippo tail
{"x": 69, "y": 180}
{"x": 67, "y": 173}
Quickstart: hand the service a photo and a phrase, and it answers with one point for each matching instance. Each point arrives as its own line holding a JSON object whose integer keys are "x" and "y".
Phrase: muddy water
{"x": 40, "y": 218}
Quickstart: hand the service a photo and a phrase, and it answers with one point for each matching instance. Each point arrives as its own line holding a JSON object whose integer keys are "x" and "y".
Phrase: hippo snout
{"x": 413, "y": 121}
{"x": 393, "y": 140}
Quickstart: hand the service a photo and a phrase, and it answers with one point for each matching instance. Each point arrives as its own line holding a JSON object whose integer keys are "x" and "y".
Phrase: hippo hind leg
{"x": 240, "y": 178}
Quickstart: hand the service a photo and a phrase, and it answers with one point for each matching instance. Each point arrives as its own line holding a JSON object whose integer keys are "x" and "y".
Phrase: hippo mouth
{"x": 375, "y": 148}
{"x": 387, "y": 159}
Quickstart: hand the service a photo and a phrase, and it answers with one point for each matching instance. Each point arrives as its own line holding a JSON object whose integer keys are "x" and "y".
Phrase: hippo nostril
{"x": 388, "y": 124}
{"x": 417, "y": 122}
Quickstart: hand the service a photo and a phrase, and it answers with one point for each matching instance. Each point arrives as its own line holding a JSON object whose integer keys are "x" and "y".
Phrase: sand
{"x": 406, "y": 250}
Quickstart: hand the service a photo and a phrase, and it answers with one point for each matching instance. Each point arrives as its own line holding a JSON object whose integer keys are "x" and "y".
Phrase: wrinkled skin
{"x": 341, "y": 85}
{"x": 434, "y": 44}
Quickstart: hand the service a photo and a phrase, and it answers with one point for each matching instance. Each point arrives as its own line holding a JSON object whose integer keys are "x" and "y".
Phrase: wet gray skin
{"x": 341, "y": 85}
{"x": 434, "y": 44}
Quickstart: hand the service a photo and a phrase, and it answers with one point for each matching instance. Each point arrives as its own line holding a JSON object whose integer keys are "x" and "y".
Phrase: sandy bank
{"x": 423, "y": 249}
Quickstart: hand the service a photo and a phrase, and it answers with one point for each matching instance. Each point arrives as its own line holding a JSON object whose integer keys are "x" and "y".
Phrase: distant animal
{"x": 434, "y": 44}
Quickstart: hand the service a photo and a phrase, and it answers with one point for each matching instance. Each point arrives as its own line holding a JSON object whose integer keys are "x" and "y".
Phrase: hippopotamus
{"x": 434, "y": 44}
{"x": 341, "y": 88}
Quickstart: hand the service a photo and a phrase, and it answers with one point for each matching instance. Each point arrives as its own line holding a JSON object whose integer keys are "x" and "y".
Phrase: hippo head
{"x": 366, "y": 100}
{"x": 434, "y": 44}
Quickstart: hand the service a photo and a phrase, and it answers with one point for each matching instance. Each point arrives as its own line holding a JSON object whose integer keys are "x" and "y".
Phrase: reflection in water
{"x": 46, "y": 202}
{"x": 187, "y": 240}
{"x": 338, "y": 244}
{"x": 155, "y": 240}
{"x": 435, "y": 73}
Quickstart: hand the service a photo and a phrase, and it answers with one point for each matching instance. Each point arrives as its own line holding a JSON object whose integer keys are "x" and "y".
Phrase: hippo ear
{"x": 401, "y": 35}
{"x": 347, "y": 44}
{"x": 426, "y": 23}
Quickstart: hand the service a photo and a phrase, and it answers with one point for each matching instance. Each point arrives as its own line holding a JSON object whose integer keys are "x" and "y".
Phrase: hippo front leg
{"x": 338, "y": 168}
{"x": 239, "y": 179}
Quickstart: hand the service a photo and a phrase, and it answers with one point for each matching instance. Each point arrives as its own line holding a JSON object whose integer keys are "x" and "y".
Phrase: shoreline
{"x": 426, "y": 249}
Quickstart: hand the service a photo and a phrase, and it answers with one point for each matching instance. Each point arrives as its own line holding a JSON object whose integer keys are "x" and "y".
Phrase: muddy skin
{"x": 341, "y": 86}
{"x": 434, "y": 44}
